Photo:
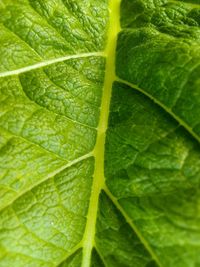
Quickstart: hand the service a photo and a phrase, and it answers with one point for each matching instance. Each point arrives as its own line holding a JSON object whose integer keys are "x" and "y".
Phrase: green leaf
{"x": 99, "y": 133}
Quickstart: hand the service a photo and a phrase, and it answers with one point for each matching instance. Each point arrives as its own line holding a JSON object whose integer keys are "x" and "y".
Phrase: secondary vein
{"x": 49, "y": 176}
{"x": 133, "y": 226}
{"x": 168, "y": 110}
{"x": 50, "y": 62}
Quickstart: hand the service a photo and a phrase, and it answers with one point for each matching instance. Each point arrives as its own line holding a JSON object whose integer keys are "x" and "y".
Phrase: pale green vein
{"x": 100, "y": 256}
{"x": 32, "y": 143}
{"x": 49, "y": 176}
{"x": 70, "y": 253}
{"x": 50, "y": 62}
{"x": 168, "y": 110}
{"x": 99, "y": 150}
{"x": 184, "y": 3}
{"x": 35, "y": 235}
{"x": 133, "y": 226}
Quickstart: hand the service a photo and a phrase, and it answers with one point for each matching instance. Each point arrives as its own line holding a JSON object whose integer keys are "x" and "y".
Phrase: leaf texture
{"x": 99, "y": 133}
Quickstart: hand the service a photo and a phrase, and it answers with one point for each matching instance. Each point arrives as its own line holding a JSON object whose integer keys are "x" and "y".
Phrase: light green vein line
{"x": 185, "y": 3}
{"x": 50, "y": 62}
{"x": 99, "y": 150}
{"x": 132, "y": 225}
{"x": 49, "y": 176}
{"x": 168, "y": 110}
{"x": 70, "y": 253}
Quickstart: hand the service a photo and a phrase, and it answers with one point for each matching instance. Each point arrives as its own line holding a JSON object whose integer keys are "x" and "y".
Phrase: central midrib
{"x": 98, "y": 178}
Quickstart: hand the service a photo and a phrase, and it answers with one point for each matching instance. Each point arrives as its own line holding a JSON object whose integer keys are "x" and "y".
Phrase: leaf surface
{"x": 99, "y": 133}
